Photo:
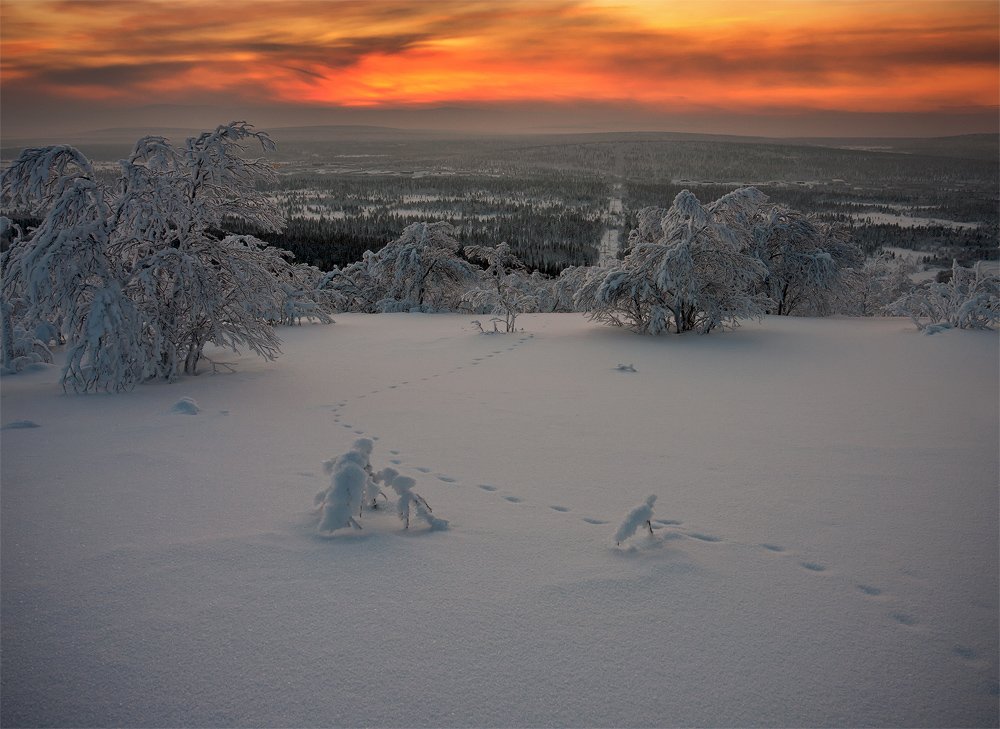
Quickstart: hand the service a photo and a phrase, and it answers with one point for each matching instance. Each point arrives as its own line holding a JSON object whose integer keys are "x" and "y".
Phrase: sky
{"x": 759, "y": 67}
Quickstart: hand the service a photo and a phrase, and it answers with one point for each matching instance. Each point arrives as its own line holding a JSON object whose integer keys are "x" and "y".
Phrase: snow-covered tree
{"x": 641, "y": 515}
{"x": 502, "y": 290}
{"x": 873, "y": 285}
{"x": 419, "y": 271}
{"x": 302, "y": 297}
{"x": 970, "y": 299}
{"x": 804, "y": 259}
{"x": 687, "y": 268}
{"x": 141, "y": 276}
{"x": 353, "y": 287}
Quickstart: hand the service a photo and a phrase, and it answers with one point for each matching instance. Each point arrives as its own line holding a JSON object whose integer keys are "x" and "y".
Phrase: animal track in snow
{"x": 394, "y": 453}
{"x": 395, "y": 461}
{"x": 446, "y": 479}
{"x": 705, "y": 537}
{"x": 773, "y": 547}
{"x": 904, "y": 619}
{"x": 423, "y": 469}
{"x": 562, "y": 509}
{"x": 813, "y": 566}
{"x": 964, "y": 651}
{"x": 869, "y": 590}
{"x": 487, "y": 487}
{"x": 668, "y": 522}
{"x": 513, "y": 499}
{"x": 591, "y": 520}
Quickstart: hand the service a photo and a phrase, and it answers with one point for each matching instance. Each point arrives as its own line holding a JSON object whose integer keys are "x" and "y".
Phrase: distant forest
{"x": 345, "y": 191}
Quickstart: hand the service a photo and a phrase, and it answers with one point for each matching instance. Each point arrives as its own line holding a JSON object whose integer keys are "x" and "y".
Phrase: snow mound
{"x": 186, "y": 406}
{"x": 14, "y": 425}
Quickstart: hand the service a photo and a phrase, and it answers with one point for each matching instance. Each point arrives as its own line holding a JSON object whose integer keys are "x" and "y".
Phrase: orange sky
{"x": 742, "y": 56}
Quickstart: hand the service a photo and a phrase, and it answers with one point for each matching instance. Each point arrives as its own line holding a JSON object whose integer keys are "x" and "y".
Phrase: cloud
{"x": 851, "y": 56}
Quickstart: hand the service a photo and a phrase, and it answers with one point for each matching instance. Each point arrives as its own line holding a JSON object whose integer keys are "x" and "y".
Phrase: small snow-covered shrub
{"x": 870, "y": 287}
{"x": 408, "y": 499}
{"x": 349, "y": 477}
{"x": 639, "y": 516}
{"x": 969, "y": 300}
{"x": 503, "y": 292}
{"x": 354, "y": 487}
{"x": 26, "y": 349}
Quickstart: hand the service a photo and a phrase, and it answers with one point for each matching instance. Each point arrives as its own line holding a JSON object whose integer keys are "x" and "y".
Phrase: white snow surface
{"x": 825, "y": 551}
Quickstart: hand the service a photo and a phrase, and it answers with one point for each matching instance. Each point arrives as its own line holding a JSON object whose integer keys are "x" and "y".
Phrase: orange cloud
{"x": 866, "y": 56}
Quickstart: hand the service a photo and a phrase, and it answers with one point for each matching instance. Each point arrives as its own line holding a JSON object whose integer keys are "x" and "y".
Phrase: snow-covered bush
{"x": 641, "y": 515}
{"x": 687, "y": 270}
{"x": 301, "y": 294}
{"x": 419, "y": 271}
{"x": 409, "y": 499}
{"x": 503, "y": 290}
{"x": 970, "y": 299}
{"x": 804, "y": 260}
{"x": 137, "y": 276}
{"x": 350, "y": 475}
{"x": 354, "y": 487}
{"x": 870, "y": 287}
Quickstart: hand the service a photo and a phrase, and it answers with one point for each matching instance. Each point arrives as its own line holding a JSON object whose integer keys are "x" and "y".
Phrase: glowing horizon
{"x": 723, "y": 56}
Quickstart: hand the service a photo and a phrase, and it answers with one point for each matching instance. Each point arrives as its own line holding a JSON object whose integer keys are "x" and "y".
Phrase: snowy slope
{"x": 825, "y": 555}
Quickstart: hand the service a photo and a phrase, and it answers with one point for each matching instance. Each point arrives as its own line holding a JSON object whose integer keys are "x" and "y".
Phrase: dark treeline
{"x": 332, "y": 219}
{"x": 546, "y": 241}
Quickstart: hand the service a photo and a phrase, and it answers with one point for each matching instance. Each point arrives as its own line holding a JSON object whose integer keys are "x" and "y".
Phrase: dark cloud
{"x": 113, "y": 75}
{"x": 340, "y": 53}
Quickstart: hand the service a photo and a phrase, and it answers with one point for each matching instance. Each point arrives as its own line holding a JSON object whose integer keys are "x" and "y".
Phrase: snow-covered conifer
{"x": 639, "y": 516}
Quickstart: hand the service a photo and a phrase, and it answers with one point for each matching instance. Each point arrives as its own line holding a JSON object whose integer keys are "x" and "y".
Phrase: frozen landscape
{"x": 824, "y": 548}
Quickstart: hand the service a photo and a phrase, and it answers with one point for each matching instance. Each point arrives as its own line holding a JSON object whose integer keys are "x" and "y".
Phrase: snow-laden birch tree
{"x": 687, "y": 270}
{"x": 500, "y": 290}
{"x": 139, "y": 278}
{"x": 805, "y": 259}
{"x": 420, "y": 270}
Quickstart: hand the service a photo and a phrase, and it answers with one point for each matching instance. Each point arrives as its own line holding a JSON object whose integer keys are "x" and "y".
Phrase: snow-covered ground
{"x": 825, "y": 551}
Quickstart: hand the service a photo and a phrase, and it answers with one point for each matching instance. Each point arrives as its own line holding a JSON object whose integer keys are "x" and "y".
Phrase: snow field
{"x": 825, "y": 548}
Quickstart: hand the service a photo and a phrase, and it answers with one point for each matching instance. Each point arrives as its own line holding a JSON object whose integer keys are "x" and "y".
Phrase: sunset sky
{"x": 784, "y": 67}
